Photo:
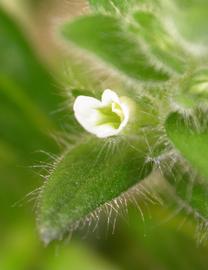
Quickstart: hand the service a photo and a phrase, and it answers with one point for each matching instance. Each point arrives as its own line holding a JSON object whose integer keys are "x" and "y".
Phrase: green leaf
{"x": 190, "y": 18}
{"x": 161, "y": 229}
{"x": 190, "y": 141}
{"x": 22, "y": 66}
{"x": 193, "y": 90}
{"x": 104, "y": 38}
{"x": 28, "y": 99}
{"x": 78, "y": 256}
{"x": 112, "y": 6}
{"x": 120, "y": 6}
{"x": 160, "y": 44}
{"x": 28, "y": 94}
{"x": 190, "y": 191}
{"x": 90, "y": 174}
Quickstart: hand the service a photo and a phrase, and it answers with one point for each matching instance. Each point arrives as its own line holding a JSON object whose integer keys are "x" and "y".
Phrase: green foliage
{"x": 111, "y": 6}
{"x": 190, "y": 139}
{"x": 134, "y": 42}
{"x": 110, "y": 43}
{"x": 148, "y": 53}
{"x": 192, "y": 195}
{"x": 87, "y": 179}
{"x": 164, "y": 243}
{"x": 195, "y": 13}
{"x": 27, "y": 98}
{"x": 161, "y": 44}
{"x": 193, "y": 90}
{"x": 24, "y": 84}
{"x": 79, "y": 186}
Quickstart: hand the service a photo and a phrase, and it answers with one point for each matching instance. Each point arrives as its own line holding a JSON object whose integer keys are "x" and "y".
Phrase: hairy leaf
{"x": 90, "y": 174}
{"x": 111, "y": 5}
{"x": 104, "y": 38}
{"x": 159, "y": 43}
{"x": 190, "y": 141}
{"x": 193, "y": 90}
{"x": 191, "y": 192}
{"x": 189, "y": 17}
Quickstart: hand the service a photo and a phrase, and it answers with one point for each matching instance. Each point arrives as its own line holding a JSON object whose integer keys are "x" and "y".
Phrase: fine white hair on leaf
{"x": 182, "y": 204}
{"x": 110, "y": 212}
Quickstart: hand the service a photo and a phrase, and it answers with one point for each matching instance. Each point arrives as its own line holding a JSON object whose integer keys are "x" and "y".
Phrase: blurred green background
{"x": 33, "y": 112}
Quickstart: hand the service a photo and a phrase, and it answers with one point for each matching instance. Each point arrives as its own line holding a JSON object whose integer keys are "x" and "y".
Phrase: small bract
{"x": 104, "y": 118}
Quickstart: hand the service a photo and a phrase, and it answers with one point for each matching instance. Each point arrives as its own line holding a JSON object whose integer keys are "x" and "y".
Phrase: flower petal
{"x": 108, "y": 96}
{"x": 98, "y": 117}
{"x": 104, "y": 131}
{"x": 86, "y": 113}
{"x": 126, "y": 112}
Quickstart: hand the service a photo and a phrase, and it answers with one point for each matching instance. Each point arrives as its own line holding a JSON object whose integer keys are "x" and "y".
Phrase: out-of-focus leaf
{"x": 161, "y": 240}
{"x": 193, "y": 90}
{"x": 189, "y": 17}
{"x": 28, "y": 98}
{"x": 160, "y": 44}
{"x": 189, "y": 141}
{"x": 17, "y": 112}
{"x": 89, "y": 175}
{"x": 78, "y": 256}
{"x": 105, "y": 39}
{"x": 27, "y": 92}
{"x": 189, "y": 190}
{"x": 118, "y": 6}
{"x": 21, "y": 65}
{"x": 21, "y": 249}
{"x": 165, "y": 244}
{"x": 112, "y": 6}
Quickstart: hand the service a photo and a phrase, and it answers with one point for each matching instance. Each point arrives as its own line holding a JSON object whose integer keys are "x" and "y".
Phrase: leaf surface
{"x": 90, "y": 174}
{"x": 112, "y": 6}
{"x": 162, "y": 46}
{"x": 28, "y": 94}
{"x": 190, "y": 190}
{"x": 191, "y": 142}
{"x": 105, "y": 39}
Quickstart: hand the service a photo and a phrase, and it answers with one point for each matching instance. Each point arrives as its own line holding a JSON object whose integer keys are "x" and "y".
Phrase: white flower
{"x": 103, "y": 118}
